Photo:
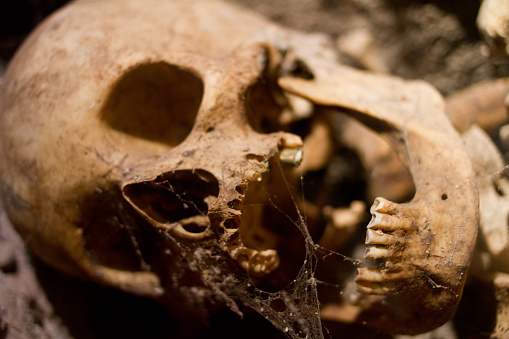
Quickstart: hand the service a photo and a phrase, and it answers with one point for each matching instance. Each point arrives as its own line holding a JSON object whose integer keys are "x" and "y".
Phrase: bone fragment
{"x": 482, "y": 104}
{"x": 493, "y": 22}
{"x": 343, "y": 222}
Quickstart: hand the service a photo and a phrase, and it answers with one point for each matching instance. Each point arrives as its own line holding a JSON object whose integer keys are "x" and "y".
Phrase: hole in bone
{"x": 444, "y": 196}
{"x": 241, "y": 189}
{"x": 301, "y": 70}
{"x": 278, "y": 305}
{"x": 8, "y": 262}
{"x": 232, "y": 223}
{"x": 176, "y": 196}
{"x": 153, "y": 105}
{"x": 235, "y": 204}
{"x": 498, "y": 189}
{"x": 194, "y": 227}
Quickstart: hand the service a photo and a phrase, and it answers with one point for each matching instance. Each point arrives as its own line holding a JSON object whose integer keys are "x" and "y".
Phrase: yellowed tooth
{"x": 383, "y": 205}
{"x": 385, "y": 222}
{"x": 291, "y": 141}
{"x": 375, "y": 220}
{"x": 375, "y": 252}
{"x": 371, "y": 281}
{"x": 292, "y": 156}
{"x": 377, "y": 237}
{"x": 373, "y": 290}
{"x": 370, "y": 235}
{"x": 252, "y": 175}
{"x": 368, "y": 274}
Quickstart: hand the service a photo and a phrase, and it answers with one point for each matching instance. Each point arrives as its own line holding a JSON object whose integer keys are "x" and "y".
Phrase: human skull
{"x": 143, "y": 141}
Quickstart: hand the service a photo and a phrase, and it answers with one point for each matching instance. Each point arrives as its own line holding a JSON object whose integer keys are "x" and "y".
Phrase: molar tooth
{"x": 375, "y": 252}
{"x": 377, "y": 237}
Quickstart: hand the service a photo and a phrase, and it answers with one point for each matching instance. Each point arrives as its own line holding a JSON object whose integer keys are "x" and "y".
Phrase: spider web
{"x": 295, "y": 309}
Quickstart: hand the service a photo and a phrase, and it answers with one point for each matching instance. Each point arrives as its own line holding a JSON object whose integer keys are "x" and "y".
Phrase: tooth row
{"x": 385, "y": 220}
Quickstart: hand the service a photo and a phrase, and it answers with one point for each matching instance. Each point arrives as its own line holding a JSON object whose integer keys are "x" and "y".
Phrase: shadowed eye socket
{"x": 156, "y": 102}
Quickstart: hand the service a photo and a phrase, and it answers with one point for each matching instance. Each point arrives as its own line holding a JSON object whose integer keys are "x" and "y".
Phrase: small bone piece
{"x": 493, "y": 21}
{"x": 433, "y": 235}
{"x": 343, "y": 222}
{"x": 482, "y": 104}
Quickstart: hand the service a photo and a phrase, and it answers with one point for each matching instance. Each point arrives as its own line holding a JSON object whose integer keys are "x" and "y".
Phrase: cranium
{"x": 143, "y": 141}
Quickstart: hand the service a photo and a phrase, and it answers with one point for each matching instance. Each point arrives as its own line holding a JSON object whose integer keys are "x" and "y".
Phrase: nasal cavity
{"x": 175, "y": 196}
{"x": 156, "y": 102}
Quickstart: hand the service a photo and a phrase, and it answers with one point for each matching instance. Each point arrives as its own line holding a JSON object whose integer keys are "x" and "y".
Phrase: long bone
{"x": 422, "y": 248}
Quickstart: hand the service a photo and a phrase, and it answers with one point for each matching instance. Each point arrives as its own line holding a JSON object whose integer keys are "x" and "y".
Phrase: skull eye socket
{"x": 153, "y": 104}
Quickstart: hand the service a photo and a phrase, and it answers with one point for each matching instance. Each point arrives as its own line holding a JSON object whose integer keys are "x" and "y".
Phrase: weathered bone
{"x": 427, "y": 243}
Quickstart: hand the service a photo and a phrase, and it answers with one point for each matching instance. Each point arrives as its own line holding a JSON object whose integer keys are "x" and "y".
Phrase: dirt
{"x": 436, "y": 41}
